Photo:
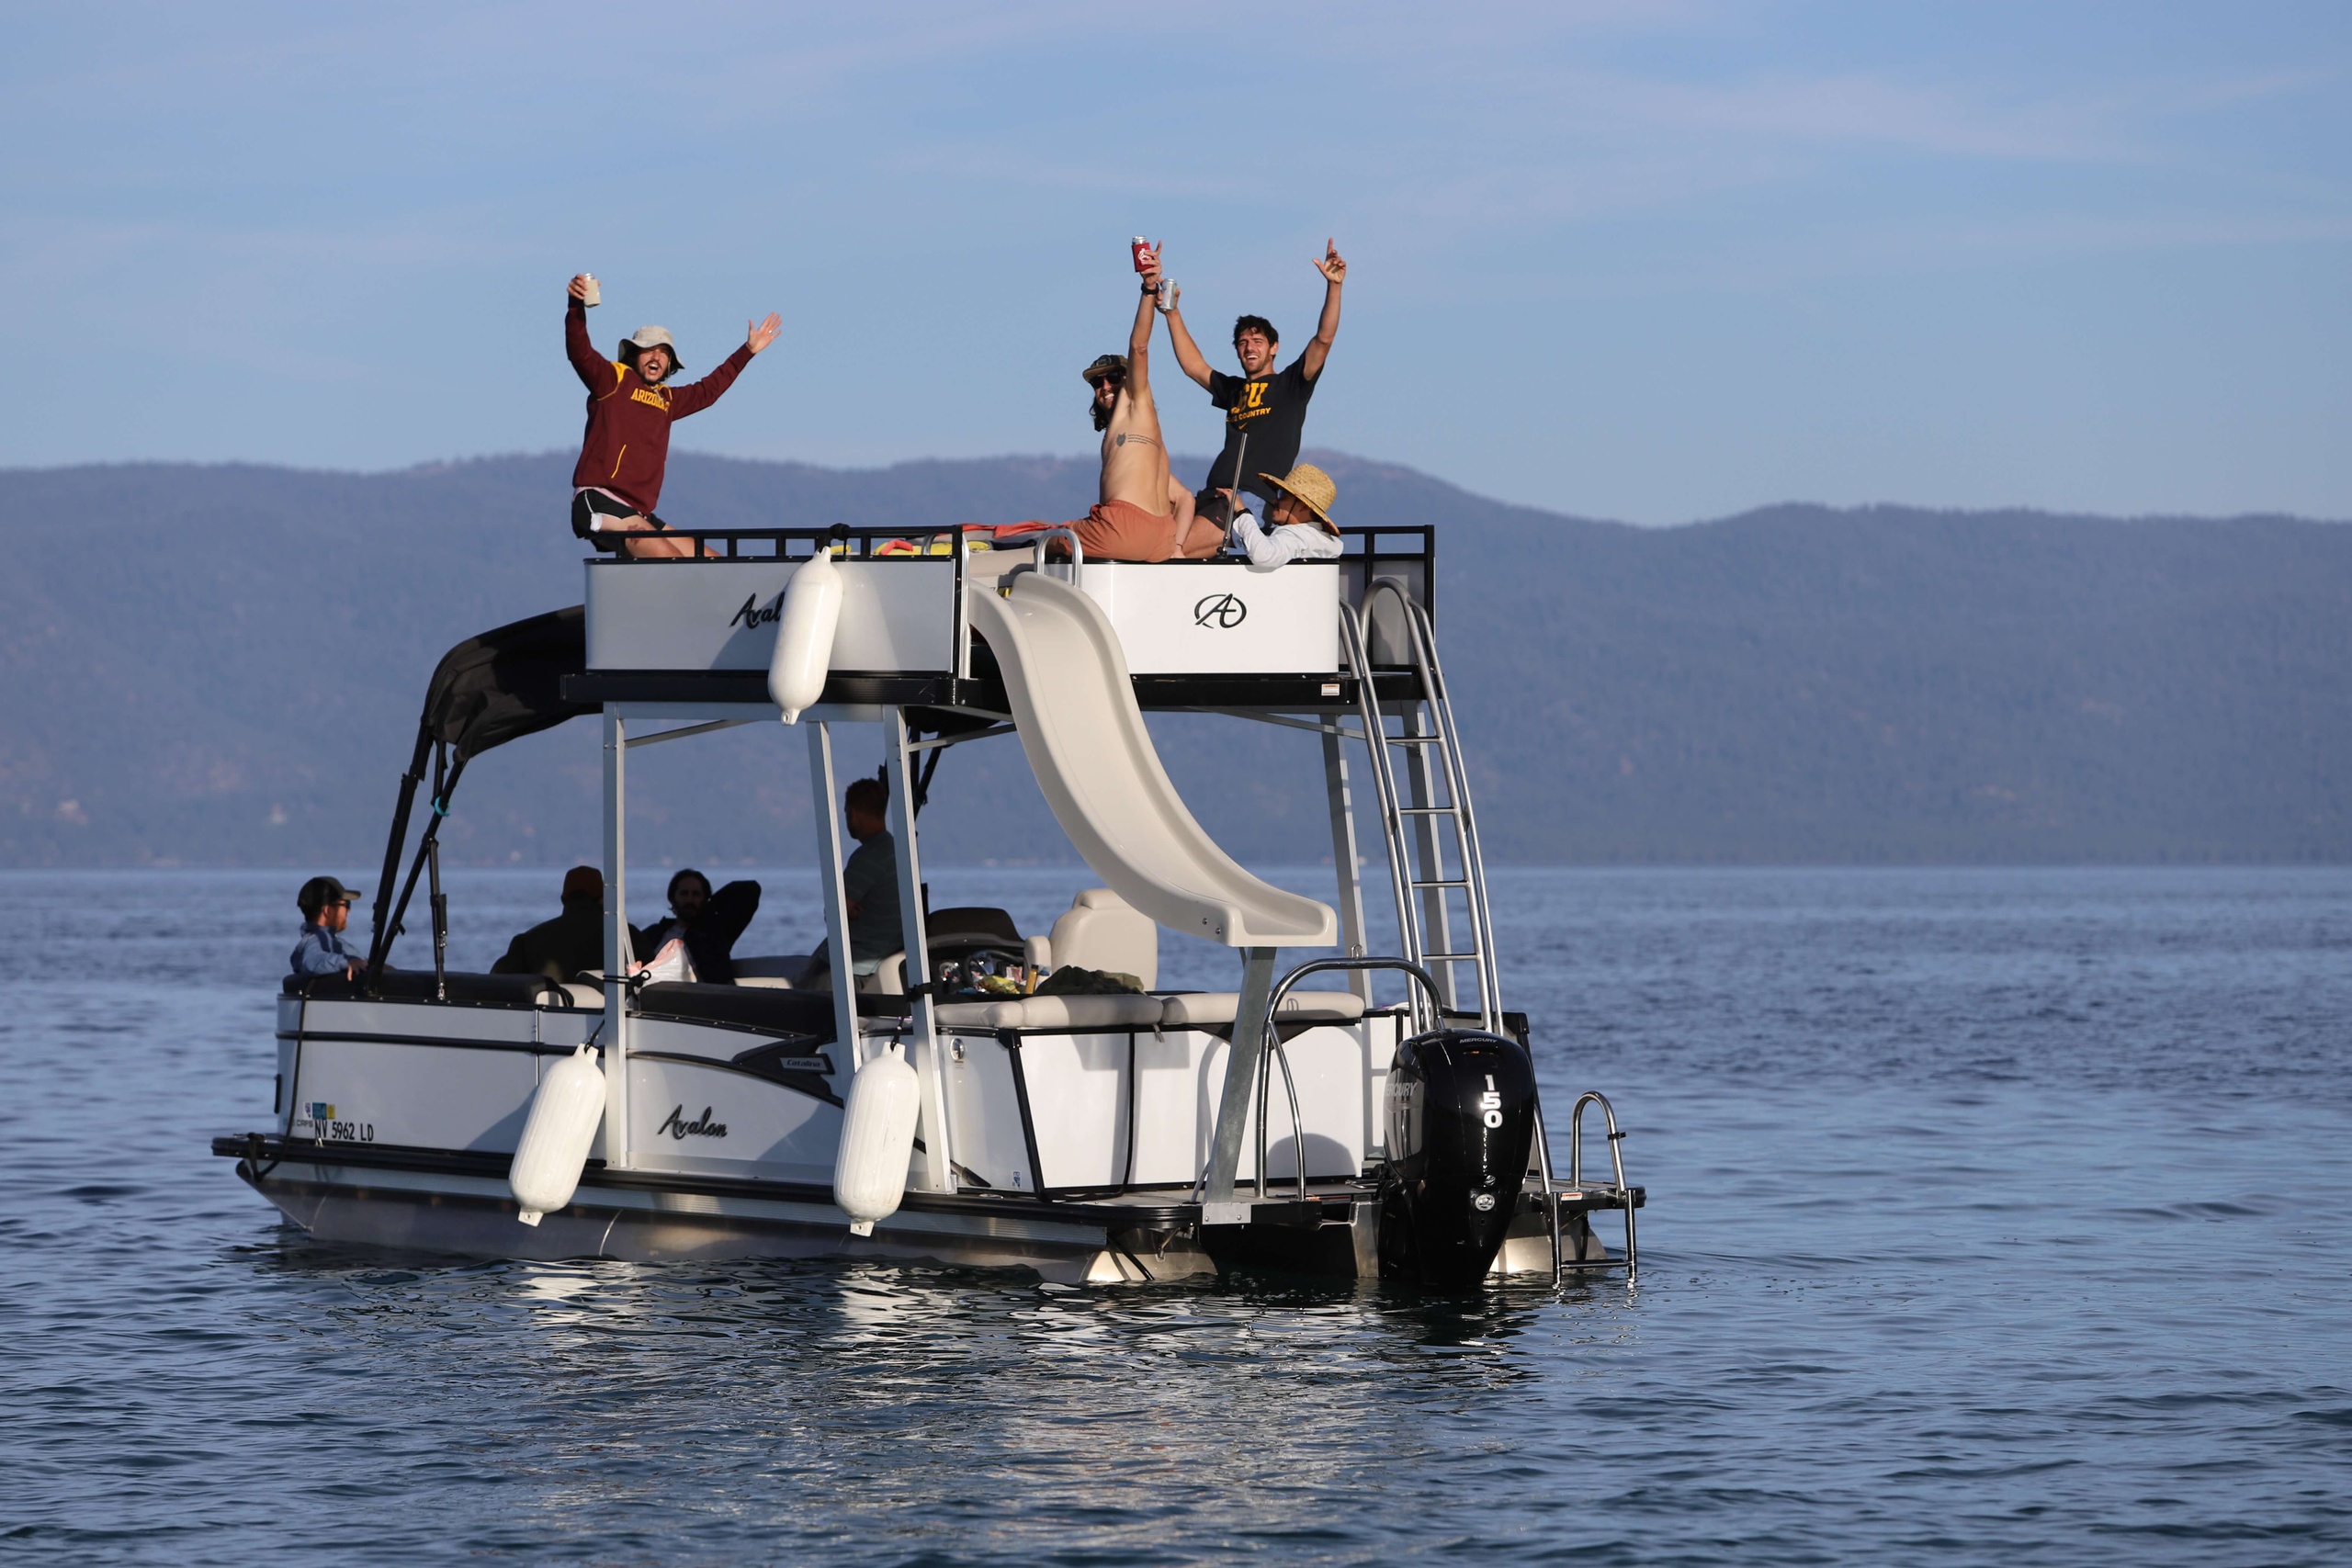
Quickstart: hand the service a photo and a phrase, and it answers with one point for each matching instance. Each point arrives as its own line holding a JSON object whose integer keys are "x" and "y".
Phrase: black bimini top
{"x": 508, "y": 682}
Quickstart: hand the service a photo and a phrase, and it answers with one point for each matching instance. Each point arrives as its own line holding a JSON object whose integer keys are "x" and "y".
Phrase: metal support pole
{"x": 937, "y": 1151}
{"x": 836, "y": 901}
{"x": 1346, "y": 862}
{"x": 435, "y": 902}
{"x": 1217, "y": 1206}
{"x": 961, "y": 662}
{"x": 619, "y": 955}
{"x": 440, "y": 907}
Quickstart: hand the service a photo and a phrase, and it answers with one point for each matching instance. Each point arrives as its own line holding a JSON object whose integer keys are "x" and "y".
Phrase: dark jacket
{"x": 560, "y": 948}
{"x": 627, "y": 446}
{"x": 710, "y": 940}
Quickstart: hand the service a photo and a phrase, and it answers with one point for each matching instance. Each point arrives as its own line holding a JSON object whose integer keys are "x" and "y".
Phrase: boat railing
{"x": 1272, "y": 1052}
{"x": 1408, "y": 554}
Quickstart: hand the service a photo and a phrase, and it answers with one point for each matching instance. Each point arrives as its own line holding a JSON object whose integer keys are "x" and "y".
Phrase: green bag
{"x": 1070, "y": 980}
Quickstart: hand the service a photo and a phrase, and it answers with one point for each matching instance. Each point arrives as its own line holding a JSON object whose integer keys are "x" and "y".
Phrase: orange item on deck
{"x": 1120, "y": 530}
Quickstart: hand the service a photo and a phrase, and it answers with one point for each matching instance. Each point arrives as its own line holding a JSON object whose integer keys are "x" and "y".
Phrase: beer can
{"x": 591, "y": 294}
{"x": 1161, "y": 300}
{"x": 1142, "y": 248}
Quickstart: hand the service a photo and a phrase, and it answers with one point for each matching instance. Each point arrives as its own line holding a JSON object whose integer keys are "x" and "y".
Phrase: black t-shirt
{"x": 1272, "y": 411}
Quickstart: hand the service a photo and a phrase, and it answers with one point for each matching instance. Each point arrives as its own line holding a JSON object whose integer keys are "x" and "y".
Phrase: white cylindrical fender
{"x": 877, "y": 1139}
{"x": 565, "y": 1114}
{"x": 804, "y": 635}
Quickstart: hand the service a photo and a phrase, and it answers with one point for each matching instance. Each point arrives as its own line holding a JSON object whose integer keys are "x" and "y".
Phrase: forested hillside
{"x": 224, "y": 664}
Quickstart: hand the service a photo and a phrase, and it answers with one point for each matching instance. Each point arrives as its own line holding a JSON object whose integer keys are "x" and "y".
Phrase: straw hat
{"x": 1312, "y": 486}
{"x": 1104, "y": 365}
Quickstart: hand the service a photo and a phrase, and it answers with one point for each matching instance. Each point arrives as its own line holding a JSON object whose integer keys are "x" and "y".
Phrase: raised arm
{"x": 1189, "y": 358}
{"x": 1335, "y": 273}
{"x": 1140, "y": 336}
{"x": 593, "y": 369}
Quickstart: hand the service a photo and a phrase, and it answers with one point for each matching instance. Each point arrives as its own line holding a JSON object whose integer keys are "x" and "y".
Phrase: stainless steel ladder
{"x": 1427, "y": 868}
{"x": 1432, "y": 836}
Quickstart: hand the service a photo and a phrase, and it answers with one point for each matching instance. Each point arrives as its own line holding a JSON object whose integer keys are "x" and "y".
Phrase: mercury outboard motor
{"x": 1461, "y": 1118}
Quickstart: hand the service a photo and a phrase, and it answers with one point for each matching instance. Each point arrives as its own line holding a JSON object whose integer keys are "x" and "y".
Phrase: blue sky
{"x": 1653, "y": 261}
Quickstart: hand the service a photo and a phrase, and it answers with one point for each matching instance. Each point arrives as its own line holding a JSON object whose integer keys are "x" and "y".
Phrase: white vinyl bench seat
{"x": 1125, "y": 1011}
{"x": 1181, "y": 1010}
{"x": 1189, "y": 1009}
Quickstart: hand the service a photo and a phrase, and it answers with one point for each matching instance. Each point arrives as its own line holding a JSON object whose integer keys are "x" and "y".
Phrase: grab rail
{"x": 1322, "y": 965}
{"x": 1297, "y": 1125}
{"x": 1265, "y": 1086}
{"x": 1077, "y": 551}
{"x": 1274, "y": 1047}
{"x": 1616, "y": 1166}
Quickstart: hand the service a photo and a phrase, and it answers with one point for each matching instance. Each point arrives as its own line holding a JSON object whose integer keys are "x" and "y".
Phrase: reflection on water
{"x": 1998, "y": 1218}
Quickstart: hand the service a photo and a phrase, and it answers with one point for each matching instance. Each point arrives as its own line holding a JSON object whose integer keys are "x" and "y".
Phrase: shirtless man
{"x": 1145, "y": 514}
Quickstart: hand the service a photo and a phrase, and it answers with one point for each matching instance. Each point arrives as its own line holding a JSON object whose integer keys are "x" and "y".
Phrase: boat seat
{"x": 1183, "y": 1010}
{"x": 1119, "y": 1011}
{"x": 783, "y": 966}
{"x": 1189, "y": 1010}
{"x": 417, "y": 985}
{"x": 807, "y": 1014}
{"x": 970, "y": 925}
{"x": 1102, "y": 930}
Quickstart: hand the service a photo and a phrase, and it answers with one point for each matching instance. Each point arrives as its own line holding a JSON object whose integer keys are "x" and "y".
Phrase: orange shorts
{"x": 1120, "y": 530}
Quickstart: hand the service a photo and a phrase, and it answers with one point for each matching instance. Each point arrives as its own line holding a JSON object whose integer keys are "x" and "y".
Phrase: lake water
{"x": 1996, "y": 1217}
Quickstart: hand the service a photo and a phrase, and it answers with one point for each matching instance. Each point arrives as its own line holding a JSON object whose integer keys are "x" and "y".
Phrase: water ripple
{"x": 1998, "y": 1219}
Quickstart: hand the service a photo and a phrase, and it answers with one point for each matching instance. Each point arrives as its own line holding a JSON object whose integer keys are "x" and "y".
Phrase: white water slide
{"x": 1075, "y": 707}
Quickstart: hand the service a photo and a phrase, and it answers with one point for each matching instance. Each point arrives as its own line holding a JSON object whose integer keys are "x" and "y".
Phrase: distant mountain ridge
{"x": 222, "y": 665}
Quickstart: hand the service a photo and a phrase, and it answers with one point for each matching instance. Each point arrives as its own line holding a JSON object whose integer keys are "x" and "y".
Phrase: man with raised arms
{"x": 626, "y": 449}
{"x": 1145, "y": 514}
{"x": 1263, "y": 407}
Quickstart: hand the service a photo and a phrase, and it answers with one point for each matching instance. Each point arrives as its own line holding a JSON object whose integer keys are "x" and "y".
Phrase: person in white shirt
{"x": 1298, "y": 524}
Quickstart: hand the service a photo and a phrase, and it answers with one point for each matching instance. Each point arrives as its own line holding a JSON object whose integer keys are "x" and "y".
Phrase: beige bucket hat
{"x": 1311, "y": 485}
{"x": 654, "y": 337}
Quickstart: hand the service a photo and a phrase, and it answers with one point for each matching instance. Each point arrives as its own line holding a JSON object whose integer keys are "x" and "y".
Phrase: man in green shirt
{"x": 870, "y": 876}
{"x": 869, "y": 886}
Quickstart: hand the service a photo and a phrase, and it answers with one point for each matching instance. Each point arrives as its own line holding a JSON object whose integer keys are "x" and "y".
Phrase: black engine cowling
{"x": 1461, "y": 1120}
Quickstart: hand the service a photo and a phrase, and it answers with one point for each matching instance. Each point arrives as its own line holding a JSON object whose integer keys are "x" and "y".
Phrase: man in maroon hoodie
{"x": 617, "y": 482}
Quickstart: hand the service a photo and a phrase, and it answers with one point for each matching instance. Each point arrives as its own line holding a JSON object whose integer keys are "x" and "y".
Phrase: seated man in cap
{"x": 1144, "y": 515}
{"x": 574, "y": 941}
{"x": 326, "y": 909}
{"x": 1298, "y": 524}
{"x": 617, "y": 482}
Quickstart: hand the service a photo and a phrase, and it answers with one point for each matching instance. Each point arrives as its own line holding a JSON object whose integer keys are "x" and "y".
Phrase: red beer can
{"x": 1142, "y": 248}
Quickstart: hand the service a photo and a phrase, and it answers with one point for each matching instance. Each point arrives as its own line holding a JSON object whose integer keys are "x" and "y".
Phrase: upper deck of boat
{"x": 1196, "y": 635}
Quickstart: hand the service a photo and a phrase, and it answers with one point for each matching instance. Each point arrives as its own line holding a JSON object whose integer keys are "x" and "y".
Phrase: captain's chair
{"x": 1102, "y": 930}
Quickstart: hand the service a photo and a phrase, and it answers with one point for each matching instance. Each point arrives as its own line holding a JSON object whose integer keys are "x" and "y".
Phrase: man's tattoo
{"x": 1123, "y": 440}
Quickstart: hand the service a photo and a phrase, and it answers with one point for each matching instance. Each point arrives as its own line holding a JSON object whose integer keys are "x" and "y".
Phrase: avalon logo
{"x": 701, "y": 1127}
{"x": 1222, "y": 611}
{"x": 754, "y": 614}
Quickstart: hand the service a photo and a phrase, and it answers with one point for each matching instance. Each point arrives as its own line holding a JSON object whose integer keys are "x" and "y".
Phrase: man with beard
{"x": 708, "y": 922}
{"x": 617, "y": 482}
{"x": 1145, "y": 514}
{"x": 1266, "y": 407}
